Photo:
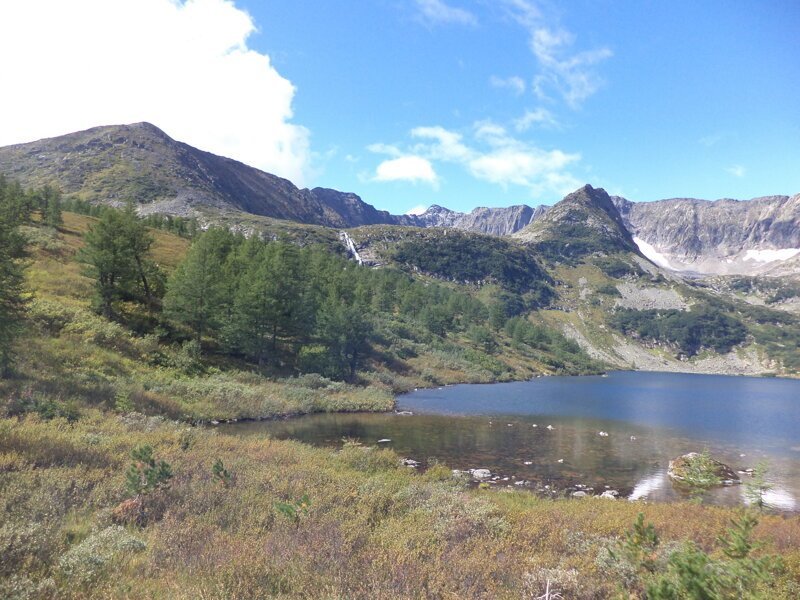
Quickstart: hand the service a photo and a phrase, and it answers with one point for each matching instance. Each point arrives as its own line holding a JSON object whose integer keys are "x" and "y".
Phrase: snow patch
{"x": 654, "y": 255}
{"x": 417, "y": 210}
{"x": 766, "y": 256}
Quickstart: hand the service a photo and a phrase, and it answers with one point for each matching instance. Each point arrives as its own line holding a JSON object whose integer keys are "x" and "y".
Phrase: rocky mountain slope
{"x": 140, "y": 162}
{"x": 492, "y": 221}
{"x": 716, "y": 237}
{"x": 585, "y": 221}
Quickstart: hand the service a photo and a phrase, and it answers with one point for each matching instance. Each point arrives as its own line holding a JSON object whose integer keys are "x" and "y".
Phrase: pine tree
{"x": 51, "y": 206}
{"x": 109, "y": 256}
{"x": 345, "y": 329}
{"x": 148, "y": 274}
{"x": 196, "y": 291}
{"x": 12, "y": 249}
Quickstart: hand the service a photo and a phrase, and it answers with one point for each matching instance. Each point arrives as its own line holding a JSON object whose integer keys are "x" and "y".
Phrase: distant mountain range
{"x": 114, "y": 164}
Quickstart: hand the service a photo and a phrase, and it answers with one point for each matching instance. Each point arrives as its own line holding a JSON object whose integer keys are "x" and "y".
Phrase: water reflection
{"x": 572, "y": 434}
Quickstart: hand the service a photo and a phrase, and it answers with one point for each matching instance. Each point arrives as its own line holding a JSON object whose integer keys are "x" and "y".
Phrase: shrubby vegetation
{"x": 300, "y": 522}
{"x": 700, "y": 327}
{"x": 562, "y": 353}
{"x": 466, "y": 258}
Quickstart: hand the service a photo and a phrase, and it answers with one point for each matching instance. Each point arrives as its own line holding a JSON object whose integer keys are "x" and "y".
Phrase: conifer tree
{"x": 12, "y": 249}
{"x": 51, "y": 206}
{"x": 196, "y": 291}
{"x": 116, "y": 253}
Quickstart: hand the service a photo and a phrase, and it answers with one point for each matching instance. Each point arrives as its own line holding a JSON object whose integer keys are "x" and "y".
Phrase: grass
{"x": 362, "y": 526}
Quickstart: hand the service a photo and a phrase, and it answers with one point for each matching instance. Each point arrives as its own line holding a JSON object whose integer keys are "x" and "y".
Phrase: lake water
{"x": 558, "y": 435}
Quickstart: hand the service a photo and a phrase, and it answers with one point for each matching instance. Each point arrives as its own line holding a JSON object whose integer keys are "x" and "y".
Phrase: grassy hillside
{"x": 255, "y": 517}
{"x": 69, "y": 354}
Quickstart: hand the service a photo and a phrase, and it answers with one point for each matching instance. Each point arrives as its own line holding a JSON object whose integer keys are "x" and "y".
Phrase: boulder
{"x": 480, "y": 473}
{"x": 679, "y": 468}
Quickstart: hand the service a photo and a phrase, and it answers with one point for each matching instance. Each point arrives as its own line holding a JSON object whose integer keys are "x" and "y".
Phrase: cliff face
{"x": 716, "y": 237}
{"x": 491, "y": 221}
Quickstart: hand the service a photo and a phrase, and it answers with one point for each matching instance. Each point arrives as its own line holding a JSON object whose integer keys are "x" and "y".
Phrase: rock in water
{"x": 480, "y": 473}
{"x": 680, "y": 467}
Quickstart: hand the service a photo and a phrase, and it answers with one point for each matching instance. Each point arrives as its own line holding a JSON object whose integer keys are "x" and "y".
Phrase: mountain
{"x": 584, "y": 222}
{"x": 716, "y": 237}
{"x": 140, "y": 162}
{"x": 492, "y": 221}
{"x": 113, "y": 164}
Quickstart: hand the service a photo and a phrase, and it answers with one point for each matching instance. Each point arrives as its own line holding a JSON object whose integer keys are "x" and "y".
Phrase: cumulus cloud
{"x": 497, "y": 157}
{"x": 184, "y": 66}
{"x": 407, "y": 168}
{"x": 437, "y": 11}
{"x": 513, "y": 83}
{"x": 562, "y": 71}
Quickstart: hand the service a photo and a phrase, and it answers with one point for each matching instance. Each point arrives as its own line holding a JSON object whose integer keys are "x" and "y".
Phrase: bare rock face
{"x": 716, "y": 237}
{"x": 491, "y": 221}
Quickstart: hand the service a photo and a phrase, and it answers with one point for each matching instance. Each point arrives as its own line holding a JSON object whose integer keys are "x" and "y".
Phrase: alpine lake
{"x": 562, "y": 436}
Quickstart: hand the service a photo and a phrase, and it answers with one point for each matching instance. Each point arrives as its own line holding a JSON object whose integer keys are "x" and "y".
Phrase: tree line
{"x": 274, "y": 304}
{"x": 17, "y": 207}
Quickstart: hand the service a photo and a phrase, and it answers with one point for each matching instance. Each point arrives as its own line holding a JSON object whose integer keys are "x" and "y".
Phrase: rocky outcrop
{"x": 491, "y": 221}
{"x": 716, "y": 237}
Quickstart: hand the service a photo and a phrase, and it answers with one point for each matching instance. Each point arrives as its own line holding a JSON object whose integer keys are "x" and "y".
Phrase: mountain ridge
{"x": 115, "y": 163}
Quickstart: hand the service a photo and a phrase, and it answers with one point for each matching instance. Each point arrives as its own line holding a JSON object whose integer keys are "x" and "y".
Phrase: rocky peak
{"x": 584, "y": 222}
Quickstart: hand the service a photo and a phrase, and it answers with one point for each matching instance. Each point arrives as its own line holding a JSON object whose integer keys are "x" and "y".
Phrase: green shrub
{"x": 146, "y": 474}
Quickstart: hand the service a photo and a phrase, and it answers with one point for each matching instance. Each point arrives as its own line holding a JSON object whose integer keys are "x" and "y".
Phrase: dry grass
{"x": 373, "y": 529}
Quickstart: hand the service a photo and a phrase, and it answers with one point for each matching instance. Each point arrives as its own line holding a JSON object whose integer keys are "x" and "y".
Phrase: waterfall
{"x": 351, "y": 247}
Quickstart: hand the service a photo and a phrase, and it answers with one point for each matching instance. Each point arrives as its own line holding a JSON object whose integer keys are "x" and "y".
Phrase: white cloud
{"x": 184, "y": 66}
{"x": 494, "y": 156}
{"x": 417, "y": 210}
{"x": 567, "y": 73}
{"x": 407, "y": 168}
{"x": 448, "y": 146}
{"x": 737, "y": 170}
{"x": 541, "y": 117}
{"x": 385, "y": 149}
{"x": 513, "y": 83}
{"x": 437, "y": 11}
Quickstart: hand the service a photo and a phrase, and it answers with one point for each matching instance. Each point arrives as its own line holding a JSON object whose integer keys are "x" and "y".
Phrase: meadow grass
{"x": 371, "y": 528}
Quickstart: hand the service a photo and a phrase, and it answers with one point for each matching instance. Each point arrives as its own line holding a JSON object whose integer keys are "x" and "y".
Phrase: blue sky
{"x": 647, "y": 99}
{"x": 409, "y": 103}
